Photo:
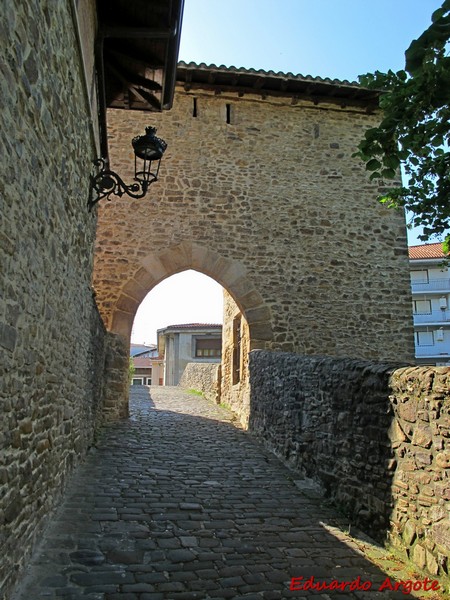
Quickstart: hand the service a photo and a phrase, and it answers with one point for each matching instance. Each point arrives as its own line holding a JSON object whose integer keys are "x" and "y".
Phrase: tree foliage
{"x": 415, "y": 129}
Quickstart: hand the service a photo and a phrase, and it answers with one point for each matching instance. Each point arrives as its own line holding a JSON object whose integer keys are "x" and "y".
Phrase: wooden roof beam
{"x": 259, "y": 82}
{"x": 145, "y": 96}
{"x": 125, "y": 53}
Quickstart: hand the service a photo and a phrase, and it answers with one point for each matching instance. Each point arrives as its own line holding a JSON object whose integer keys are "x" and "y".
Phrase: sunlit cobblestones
{"x": 178, "y": 503}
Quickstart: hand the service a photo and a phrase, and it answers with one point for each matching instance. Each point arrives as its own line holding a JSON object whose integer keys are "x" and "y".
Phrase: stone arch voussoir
{"x": 230, "y": 273}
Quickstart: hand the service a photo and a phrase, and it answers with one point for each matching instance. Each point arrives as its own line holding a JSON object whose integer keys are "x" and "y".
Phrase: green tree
{"x": 414, "y": 131}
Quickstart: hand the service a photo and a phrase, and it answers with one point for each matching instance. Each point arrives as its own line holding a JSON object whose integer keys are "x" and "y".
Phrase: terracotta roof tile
{"x": 426, "y": 251}
{"x": 193, "y": 76}
{"x": 144, "y": 362}
{"x": 279, "y": 74}
{"x": 193, "y": 325}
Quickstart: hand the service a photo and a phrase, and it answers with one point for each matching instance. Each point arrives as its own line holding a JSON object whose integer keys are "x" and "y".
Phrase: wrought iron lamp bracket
{"x": 148, "y": 151}
{"x": 107, "y": 183}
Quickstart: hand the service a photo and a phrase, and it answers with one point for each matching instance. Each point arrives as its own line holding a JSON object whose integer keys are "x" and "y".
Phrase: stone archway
{"x": 151, "y": 270}
{"x": 231, "y": 274}
{"x": 312, "y": 261}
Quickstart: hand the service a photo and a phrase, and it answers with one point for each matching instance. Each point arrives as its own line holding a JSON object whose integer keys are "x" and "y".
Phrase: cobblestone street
{"x": 179, "y": 503}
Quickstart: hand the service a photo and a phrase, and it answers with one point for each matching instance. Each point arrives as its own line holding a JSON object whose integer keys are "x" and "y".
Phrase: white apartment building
{"x": 430, "y": 285}
{"x": 190, "y": 342}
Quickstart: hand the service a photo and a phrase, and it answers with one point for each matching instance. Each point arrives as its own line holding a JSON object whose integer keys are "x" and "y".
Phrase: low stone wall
{"x": 376, "y": 437}
{"x": 204, "y": 377}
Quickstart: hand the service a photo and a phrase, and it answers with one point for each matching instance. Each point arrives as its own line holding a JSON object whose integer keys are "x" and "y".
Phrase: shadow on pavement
{"x": 178, "y": 503}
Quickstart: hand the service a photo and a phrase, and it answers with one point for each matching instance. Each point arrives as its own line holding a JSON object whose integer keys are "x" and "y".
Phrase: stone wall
{"x": 420, "y": 438}
{"x": 116, "y": 378}
{"x": 376, "y": 437}
{"x": 204, "y": 377}
{"x": 295, "y": 234}
{"x": 51, "y": 335}
{"x": 234, "y": 391}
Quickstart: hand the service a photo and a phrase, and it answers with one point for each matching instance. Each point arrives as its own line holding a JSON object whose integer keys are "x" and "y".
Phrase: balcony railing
{"x": 431, "y": 285}
{"x": 438, "y": 350}
{"x": 436, "y": 316}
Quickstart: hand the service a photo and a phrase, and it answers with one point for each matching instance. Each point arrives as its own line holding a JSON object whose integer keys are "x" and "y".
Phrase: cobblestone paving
{"x": 177, "y": 503}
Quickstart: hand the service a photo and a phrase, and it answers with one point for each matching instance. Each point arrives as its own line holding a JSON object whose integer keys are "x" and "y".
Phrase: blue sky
{"x": 328, "y": 38}
{"x": 340, "y": 39}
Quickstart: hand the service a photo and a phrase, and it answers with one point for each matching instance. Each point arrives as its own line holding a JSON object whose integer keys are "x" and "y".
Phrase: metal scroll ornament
{"x": 148, "y": 151}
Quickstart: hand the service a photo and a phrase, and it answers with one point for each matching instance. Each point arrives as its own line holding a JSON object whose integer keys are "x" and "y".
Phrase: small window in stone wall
{"x": 229, "y": 113}
{"x": 195, "y": 108}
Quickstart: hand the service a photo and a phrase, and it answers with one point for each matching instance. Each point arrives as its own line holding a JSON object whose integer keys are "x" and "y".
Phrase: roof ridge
{"x": 195, "y": 325}
{"x": 426, "y": 244}
{"x": 268, "y": 73}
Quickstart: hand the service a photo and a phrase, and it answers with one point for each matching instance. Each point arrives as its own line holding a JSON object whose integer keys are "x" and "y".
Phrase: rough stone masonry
{"x": 262, "y": 193}
{"x": 375, "y": 436}
{"x": 51, "y": 335}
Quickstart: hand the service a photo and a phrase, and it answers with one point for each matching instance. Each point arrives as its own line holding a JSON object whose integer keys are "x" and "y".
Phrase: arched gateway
{"x": 259, "y": 189}
{"x": 231, "y": 274}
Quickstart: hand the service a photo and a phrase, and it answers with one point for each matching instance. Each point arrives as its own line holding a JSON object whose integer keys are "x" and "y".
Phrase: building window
{"x": 424, "y": 338}
{"x": 137, "y": 381}
{"x": 237, "y": 349}
{"x": 149, "y": 381}
{"x": 419, "y": 276}
{"x": 422, "y": 307}
{"x": 208, "y": 347}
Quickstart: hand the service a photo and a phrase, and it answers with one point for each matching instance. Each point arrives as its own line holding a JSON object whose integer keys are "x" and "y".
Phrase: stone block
{"x": 432, "y": 563}
{"x": 127, "y": 304}
{"x": 442, "y": 459}
{"x": 8, "y": 337}
{"x": 422, "y": 436}
{"x": 135, "y": 290}
{"x": 419, "y": 556}
{"x": 407, "y": 410}
{"x": 409, "y": 533}
{"x": 423, "y": 458}
{"x": 154, "y": 267}
{"x": 441, "y": 534}
{"x": 145, "y": 279}
{"x": 396, "y": 433}
{"x": 26, "y": 426}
